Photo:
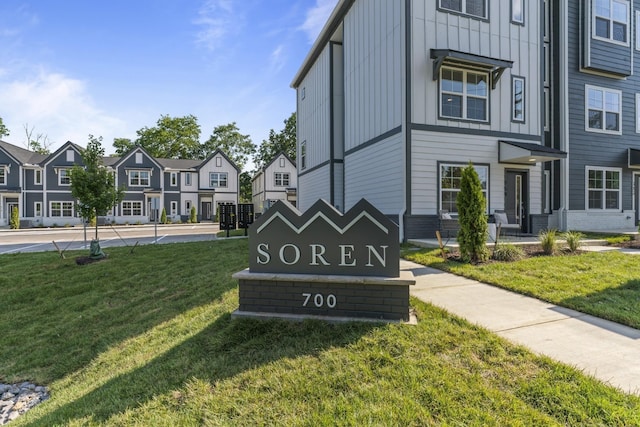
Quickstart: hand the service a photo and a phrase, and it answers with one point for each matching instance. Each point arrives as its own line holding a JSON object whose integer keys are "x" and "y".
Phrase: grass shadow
{"x": 225, "y": 348}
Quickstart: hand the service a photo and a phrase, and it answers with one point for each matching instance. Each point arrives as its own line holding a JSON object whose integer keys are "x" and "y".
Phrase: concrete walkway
{"x": 603, "y": 349}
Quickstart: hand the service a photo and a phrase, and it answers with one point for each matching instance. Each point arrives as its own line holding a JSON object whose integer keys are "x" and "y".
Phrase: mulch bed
{"x": 530, "y": 251}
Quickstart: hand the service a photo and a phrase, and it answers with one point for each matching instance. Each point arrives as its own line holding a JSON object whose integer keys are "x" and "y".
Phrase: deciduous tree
{"x": 283, "y": 141}
{"x": 236, "y": 146}
{"x": 3, "y": 129}
{"x": 171, "y": 138}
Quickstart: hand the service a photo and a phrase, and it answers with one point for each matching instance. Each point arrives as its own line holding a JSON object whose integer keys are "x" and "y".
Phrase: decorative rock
{"x": 16, "y": 399}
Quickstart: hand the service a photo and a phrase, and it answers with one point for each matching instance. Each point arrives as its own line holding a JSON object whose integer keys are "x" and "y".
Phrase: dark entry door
{"x": 516, "y": 198}
{"x": 206, "y": 211}
{"x": 636, "y": 179}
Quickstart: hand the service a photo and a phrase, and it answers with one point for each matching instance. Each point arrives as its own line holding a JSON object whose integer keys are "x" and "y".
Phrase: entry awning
{"x": 454, "y": 57}
{"x": 527, "y": 153}
{"x": 634, "y": 158}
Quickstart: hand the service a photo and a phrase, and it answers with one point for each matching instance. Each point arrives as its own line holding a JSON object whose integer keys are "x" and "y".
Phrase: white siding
{"x": 374, "y": 69}
{"x": 314, "y": 109}
{"x": 313, "y": 186}
{"x": 376, "y": 173}
{"x": 428, "y": 149}
{"x": 498, "y": 38}
{"x": 274, "y": 167}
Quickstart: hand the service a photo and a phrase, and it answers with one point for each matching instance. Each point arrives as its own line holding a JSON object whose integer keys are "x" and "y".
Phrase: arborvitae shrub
{"x": 472, "y": 217}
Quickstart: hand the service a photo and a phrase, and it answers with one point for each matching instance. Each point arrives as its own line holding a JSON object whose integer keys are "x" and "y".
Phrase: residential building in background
{"x": 40, "y": 186}
{"x": 275, "y": 181}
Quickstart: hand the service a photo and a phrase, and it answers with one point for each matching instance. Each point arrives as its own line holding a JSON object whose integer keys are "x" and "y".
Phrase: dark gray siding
{"x": 56, "y": 163}
{"x": 129, "y": 163}
{"x": 592, "y": 148}
{"x": 29, "y": 200}
{"x": 29, "y": 180}
{"x": 172, "y": 197}
{"x": 600, "y": 55}
{"x": 12, "y": 176}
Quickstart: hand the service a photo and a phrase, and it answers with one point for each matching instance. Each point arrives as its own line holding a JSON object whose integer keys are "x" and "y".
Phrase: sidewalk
{"x": 603, "y": 349}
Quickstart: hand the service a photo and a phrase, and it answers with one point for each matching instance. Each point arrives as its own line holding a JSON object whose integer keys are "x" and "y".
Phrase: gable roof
{"x": 215, "y": 153}
{"x": 131, "y": 152}
{"x": 64, "y": 146}
{"x": 264, "y": 168}
{"x": 22, "y": 155}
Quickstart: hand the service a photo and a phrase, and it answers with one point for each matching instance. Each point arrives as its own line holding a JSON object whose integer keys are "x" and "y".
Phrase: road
{"x": 73, "y": 238}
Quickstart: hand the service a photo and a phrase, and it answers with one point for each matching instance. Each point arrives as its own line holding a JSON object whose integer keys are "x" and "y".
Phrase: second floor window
{"x": 37, "y": 177}
{"x": 139, "y": 178}
{"x": 187, "y": 178}
{"x": 3, "y": 176}
{"x": 603, "y": 109}
{"x": 217, "y": 179}
{"x": 174, "y": 179}
{"x": 468, "y": 7}
{"x": 303, "y": 155}
{"x": 464, "y": 94}
{"x": 64, "y": 178}
{"x": 281, "y": 179}
{"x": 517, "y": 87}
{"x": 611, "y": 20}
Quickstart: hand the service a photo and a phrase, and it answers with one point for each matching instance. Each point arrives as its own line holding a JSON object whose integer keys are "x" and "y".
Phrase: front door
{"x": 206, "y": 211}
{"x": 516, "y": 198}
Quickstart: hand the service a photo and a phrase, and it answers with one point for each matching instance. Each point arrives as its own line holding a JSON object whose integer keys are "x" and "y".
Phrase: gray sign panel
{"x": 362, "y": 242}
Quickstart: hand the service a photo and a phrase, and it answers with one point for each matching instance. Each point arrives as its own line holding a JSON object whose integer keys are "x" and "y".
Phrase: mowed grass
{"x": 605, "y": 284}
{"x": 147, "y": 339}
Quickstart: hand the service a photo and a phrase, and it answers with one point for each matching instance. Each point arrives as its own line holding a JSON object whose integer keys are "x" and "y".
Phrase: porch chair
{"x": 502, "y": 221}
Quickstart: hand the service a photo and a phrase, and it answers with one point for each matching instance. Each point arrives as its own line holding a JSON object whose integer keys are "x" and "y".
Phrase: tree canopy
{"x": 94, "y": 185}
{"x": 283, "y": 141}
{"x": 236, "y": 146}
{"x": 3, "y": 129}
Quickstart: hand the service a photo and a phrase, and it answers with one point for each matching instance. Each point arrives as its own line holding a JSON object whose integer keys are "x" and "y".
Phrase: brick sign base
{"x": 353, "y": 297}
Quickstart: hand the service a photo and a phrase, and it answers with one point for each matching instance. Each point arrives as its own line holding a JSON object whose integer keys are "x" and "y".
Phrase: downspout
{"x": 564, "y": 114}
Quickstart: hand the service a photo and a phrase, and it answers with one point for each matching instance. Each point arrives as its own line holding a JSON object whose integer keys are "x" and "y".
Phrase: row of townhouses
{"x": 543, "y": 97}
{"x": 40, "y": 187}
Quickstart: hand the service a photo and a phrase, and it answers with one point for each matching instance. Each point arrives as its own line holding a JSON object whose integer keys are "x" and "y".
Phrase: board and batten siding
{"x": 377, "y": 174}
{"x": 373, "y": 70}
{"x": 313, "y": 186}
{"x": 497, "y": 38}
{"x": 314, "y": 111}
{"x": 429, "y": 149}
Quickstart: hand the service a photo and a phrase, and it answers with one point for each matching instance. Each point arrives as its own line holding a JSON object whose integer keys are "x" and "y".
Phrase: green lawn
{"x": 147, "y": 339}
{"x": 605, "y": 284}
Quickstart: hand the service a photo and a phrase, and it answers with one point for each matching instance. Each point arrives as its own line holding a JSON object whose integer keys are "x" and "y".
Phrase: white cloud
{"x": 57, "y": 106}
{"x": 277, "y": 59}
{"x": 317, "y": 16}
{"x": 216, "y": 19}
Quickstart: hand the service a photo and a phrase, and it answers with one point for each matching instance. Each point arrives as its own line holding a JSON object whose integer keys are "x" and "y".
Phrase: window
{"x": 637, "y": 112}
{"x": 138, "y": 158}
{"x": 611, "y": 20}
{"x": 174, "y": 179}
{"x": 37, "y": 209}
{"x": 217, "y": 179}
{"x": 517, "y": 11}
{"x": 637, "y": 32}
{"x": 450, "y": 178}
{"x": 139, "y": 178}
{"x": 218, "y": 162}
{"x": 3, "y": 176}
{"x": 603, "y": 188}
{"x": 281, "y": 179}
{"x": 187, "y": 207}
{"x": 547, "y": 109}
{"x": 64, "y": 178}
{"x": 603, "y": 110}
{"x": 132, "y": 208}
{"x": 303, "y": 155}
{"x": 62, "y": 209}
{"x": 468, "y": 7}
{"x": 70, "y": 156}
{"x": 464, "y": 94}
{"x": 37, "y": 177}
{"x": 282, "y": 162}
{"x": 187, "y": 178}
{"x": 517, "y": 98}
{"x": 174, "y": 208}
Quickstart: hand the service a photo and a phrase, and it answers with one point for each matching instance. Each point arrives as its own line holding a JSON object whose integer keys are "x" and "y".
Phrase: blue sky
{"x": 72, "y": 68}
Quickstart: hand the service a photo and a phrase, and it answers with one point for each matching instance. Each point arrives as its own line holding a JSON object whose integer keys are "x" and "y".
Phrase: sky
{"x": 71, "y": 68}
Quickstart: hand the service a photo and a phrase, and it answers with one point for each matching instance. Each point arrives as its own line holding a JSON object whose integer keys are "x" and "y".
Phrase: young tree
{"x": 234, "y": 144}
{"x": 15, "y": 219}
{"x": 278, "y": 142}
{"x": 94, "y": 187}
{"x": 163, "y": 216}
{"x": 192, "y": 215}
{"x": 472, "y": 216}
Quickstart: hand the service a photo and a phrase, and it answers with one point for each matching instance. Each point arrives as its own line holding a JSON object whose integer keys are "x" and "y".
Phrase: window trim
{"x": 637, "y": 112}
{"x": 303, "y": 155}
{"x": 187, "y": 179}
{"x": 130, "y": 209}
{"x": 61, "y": 209}
{"x": 173, "y": 179}
{"x": 219, "y": 175}
{"x": 3, "y": 175}
{"x": 604, "y": 189}
{"x": 37, "y": 177}
{"x": 64, "y": 173}
{"x": 139, "y": 179}
{"x": 515, "y": 21}
{"x": 610, "y": 39}
{"x": 37, "y": 207}
{"x": 604, "y": 110}
{"x": 462, "y": 166}
{"x": 464, "y": 95}
{"x": 637, "y": 30}
{"x": 462, "y": 11}
{"x": 515, "y": 79}
{"x": 173, "y": 208}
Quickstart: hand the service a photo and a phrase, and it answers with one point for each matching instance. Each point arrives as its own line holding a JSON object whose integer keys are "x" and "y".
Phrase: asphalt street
{"x": 77, "y": 238}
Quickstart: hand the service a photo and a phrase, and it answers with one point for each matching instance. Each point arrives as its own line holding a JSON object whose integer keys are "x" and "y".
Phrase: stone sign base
{"x": 324, "y": 297}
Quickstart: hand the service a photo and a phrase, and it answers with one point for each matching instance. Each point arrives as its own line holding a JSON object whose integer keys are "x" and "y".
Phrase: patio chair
{"x": 502, "y": 221}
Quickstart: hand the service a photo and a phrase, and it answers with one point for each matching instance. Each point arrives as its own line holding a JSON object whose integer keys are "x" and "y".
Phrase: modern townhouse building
{"x": 275, "y": 181}
{"x": 396, "y": 97}
{"x": 40, "y": 187}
